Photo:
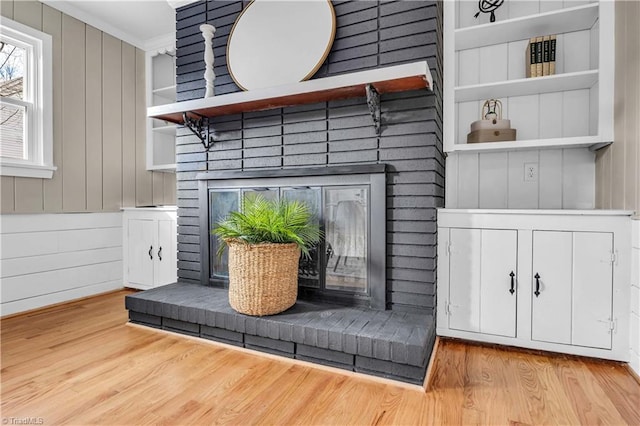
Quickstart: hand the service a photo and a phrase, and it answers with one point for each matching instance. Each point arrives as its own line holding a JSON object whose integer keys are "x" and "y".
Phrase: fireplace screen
{"x": 340, "y": 267}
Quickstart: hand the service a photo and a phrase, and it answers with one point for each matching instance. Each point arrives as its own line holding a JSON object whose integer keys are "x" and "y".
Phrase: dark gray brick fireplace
{"x": 369, "y": 34}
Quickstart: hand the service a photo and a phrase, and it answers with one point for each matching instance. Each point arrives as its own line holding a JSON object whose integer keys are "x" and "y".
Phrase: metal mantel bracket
{"x": 373, "y": 102}
{"x": 200, "y": 127}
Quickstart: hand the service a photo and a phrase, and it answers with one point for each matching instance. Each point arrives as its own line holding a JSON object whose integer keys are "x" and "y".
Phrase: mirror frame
{"x": 315, "y": 68}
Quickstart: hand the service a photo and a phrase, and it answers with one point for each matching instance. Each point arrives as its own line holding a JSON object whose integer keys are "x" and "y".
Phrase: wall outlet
{"x": 530, "y": 172}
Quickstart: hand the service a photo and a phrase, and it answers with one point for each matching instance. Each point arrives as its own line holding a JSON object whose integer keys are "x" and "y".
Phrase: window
{"x": 26, "y": 134}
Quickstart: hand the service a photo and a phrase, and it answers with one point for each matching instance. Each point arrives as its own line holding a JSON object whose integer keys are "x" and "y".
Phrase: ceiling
{"x": 146, "y": 24}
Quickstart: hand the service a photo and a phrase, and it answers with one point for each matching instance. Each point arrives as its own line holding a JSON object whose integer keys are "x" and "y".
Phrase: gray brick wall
{"x": 369, "y": 34}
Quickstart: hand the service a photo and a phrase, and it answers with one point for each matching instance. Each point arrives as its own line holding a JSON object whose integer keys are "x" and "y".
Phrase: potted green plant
{"x": 265, "y": 239}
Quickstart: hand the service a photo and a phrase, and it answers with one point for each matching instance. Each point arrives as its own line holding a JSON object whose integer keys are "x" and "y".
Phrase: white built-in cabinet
{"x": 483, "y": 60}
{"x": 550, "y": 280}
{"x": 161, "y": 90}
{"x": 150, "y": 247}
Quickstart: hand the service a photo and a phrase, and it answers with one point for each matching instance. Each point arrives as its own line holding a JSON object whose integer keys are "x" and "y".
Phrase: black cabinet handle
{"x": 160, "y": 254}
{"x": 537, "y": 277}
{"x": 512, "y": 289}
{"x": 151, "y": 252}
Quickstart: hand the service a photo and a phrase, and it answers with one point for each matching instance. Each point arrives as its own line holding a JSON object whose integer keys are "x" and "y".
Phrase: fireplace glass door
{"x": 346, "y": 224}
{"x": 339, "y": 264}
{"x": 348, "y": 203}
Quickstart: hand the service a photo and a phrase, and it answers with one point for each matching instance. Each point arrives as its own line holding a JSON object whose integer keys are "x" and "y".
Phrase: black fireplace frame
{"x": 373, "y": 175}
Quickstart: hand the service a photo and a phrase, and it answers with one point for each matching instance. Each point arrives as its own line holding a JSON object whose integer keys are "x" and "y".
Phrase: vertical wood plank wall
{"x": 98, "y": 123}
{"x": 495, "y": 180}
{"x": 618, "y": 166}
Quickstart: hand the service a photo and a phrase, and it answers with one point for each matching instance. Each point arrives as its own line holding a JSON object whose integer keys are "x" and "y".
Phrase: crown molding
{"x": 161, "y": 44}
{"x": 67, "y": 6}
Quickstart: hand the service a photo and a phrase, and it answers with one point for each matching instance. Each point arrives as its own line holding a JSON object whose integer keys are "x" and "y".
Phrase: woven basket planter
{"x": 263, "y": 278}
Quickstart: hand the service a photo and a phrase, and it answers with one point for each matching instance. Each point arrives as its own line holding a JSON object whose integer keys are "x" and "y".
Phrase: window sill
{"x": 27, "y": 170}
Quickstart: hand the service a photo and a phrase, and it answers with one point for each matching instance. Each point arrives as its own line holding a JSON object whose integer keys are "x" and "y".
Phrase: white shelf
{"x": 163, "y": 168}
{"x": 591, "y": 142}
{"x": 556, "y": 22}
{"x": 527, "y": 86}
{"x": 412, "y": 76}
{"x": 169, "y": 129}
{"x": 168, "y": 92}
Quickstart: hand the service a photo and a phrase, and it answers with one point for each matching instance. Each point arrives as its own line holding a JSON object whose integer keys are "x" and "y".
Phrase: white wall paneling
{"x": 493, "y": 185}
{"x": 578, "y": 179}
{"x": 52, "y": 258}
{"x": 634, "y": 350}
{"x": 550, "y": 173}
{"x": 566, "y": 179}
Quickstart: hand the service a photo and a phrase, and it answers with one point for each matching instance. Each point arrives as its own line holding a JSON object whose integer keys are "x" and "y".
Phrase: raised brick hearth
{"x": 394, "y": 345}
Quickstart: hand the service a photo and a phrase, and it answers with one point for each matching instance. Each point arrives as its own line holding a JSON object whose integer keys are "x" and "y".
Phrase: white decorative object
{"x": 280, "y": 42}
{"x": 491, "y": 117}
{"x": 209, "y": 75}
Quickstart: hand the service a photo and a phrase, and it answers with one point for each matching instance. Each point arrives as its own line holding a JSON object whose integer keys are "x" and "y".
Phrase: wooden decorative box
{"x": 491, "y": 135}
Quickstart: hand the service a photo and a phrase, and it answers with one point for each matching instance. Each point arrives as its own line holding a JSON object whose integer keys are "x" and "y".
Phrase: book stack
{"x": 541, "y": 56}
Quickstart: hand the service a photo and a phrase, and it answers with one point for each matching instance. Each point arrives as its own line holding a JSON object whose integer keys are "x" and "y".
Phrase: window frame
{"x": 38, "y": 102}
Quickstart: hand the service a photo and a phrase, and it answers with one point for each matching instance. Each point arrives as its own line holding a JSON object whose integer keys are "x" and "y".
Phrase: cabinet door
{"x": 479, "y": 281}
{"x": 166, "y": 264}
{"x": 576, "y": 288}
{"x": 464, "y": 279}
{"x": 592, "y": 289}
{"x": 551, "y": 309}
{"x": 498, "y": 259}
{"x": 140, "y": 251}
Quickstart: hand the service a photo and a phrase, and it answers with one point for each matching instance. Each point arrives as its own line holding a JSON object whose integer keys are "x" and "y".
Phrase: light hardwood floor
{"x": 81, "y": 364}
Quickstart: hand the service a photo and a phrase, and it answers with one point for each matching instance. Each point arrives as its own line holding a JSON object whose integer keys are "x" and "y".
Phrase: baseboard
{"x": 428, "y": 378}
{"x": 633, "y": 373}
{"x": 52, "y": 299}
{"x": 55, "y": 306}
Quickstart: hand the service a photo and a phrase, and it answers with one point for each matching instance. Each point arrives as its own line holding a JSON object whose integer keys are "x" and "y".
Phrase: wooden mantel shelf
{"x": 398, "y": 78}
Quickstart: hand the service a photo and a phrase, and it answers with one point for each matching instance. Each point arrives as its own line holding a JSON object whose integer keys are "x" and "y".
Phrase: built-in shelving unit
{"x": 370, "y": 83}
{"x": 161, "y": 90}
{"x": 573, "y": 108}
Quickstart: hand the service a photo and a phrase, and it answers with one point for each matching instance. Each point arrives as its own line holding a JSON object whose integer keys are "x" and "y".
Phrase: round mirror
{"x": 280, "y": 42}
